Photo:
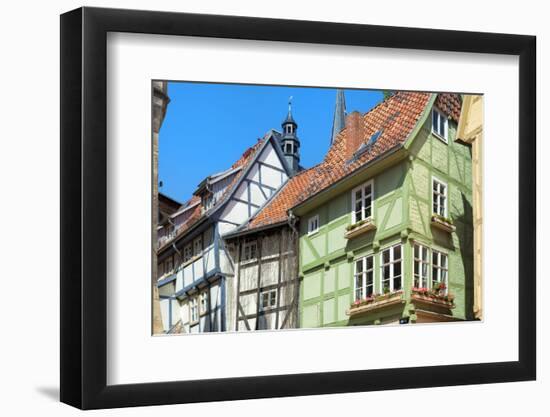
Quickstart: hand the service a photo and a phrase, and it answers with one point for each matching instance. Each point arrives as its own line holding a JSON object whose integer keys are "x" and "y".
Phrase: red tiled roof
{"x": 288, "y": 196}
{"x": 394, "y": 118}
{"x": 449, "y": 104}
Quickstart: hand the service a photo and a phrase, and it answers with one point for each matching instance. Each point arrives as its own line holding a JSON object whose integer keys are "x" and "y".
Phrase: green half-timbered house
{"x": 386, "y": 232}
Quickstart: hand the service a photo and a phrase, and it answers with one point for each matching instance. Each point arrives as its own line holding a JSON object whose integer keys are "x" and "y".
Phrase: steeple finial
{"x": 290, "y": 104}
{"x": 339, "y": 121}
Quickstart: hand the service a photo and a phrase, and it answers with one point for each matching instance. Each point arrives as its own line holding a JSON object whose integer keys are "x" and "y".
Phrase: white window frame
{"x": 203, "y": 302}
{"x": 271, "y": 299}
{"x": 362, "y": 188}
{"x": 417, "y": 265}
{"x": 197, "y": 243}
{"x": 441, "y": 117}
{"x": 392, "y": 262}
{"x": 193, "y": 310}
{"x": 313, "y": 225}
{"x": 362, "y": 292}
{"x": 439, "y": 268}
{"x": 246, "y": 254}
{"x": 445, "y": 196}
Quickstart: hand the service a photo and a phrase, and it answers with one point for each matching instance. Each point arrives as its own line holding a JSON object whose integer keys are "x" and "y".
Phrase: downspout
{"x": 292, "y": 224}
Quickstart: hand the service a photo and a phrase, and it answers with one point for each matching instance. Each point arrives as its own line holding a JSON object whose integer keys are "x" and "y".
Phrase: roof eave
{"x": 391, "y": 157}
{"x": 245, "y": 232}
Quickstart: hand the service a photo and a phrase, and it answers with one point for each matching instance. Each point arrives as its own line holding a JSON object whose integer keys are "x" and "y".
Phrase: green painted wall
{"x": 402, "y": 213}
{"x": 451, "y": 163}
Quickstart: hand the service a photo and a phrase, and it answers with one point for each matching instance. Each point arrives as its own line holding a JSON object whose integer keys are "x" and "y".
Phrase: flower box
{"x": 432, "y": 297}
{"x": 359, "y": 228}
{"x": 443, "y": 224}
{"x": 375, "y": 302}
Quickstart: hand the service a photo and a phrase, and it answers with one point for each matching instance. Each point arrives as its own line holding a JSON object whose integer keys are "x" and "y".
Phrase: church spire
{"x": 289, "y": 141}
{"x": 339, "y": 121}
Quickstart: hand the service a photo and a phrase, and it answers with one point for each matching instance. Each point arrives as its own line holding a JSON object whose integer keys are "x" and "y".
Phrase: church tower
{"x": 289, "y": 140}
{"x": 339, "y": 121}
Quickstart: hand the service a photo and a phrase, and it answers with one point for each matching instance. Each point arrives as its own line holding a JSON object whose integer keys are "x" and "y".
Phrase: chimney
{"x": 354, "y": 133}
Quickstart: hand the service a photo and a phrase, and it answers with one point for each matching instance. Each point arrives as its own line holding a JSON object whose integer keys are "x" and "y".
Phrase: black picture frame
{"x": 84, "y": 207}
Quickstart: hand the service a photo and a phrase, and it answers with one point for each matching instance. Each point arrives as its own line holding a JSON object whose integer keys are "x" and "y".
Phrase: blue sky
{"x": 208, "y": 126}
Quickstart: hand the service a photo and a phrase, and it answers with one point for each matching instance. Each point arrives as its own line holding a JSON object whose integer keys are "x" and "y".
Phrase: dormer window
{"x": 208, "y": 201}
{"x": 440, "y": 125}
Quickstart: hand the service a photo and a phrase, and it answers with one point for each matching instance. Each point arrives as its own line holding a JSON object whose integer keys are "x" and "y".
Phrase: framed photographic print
{"x": 257, "y": 208}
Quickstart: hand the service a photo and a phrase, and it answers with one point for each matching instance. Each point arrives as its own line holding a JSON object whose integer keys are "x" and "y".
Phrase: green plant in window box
{"x": 360, "y": 223}
{"x": 441, "y": 218}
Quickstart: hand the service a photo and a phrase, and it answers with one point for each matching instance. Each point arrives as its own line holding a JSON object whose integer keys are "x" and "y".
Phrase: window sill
{"x": 359, "y": 229}
{"x": 441, "y": 138}
{"x": 379, "y": 302}
{"x": 442, "y": 224}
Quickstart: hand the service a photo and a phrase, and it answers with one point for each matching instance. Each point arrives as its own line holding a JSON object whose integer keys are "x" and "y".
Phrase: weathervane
{"x": 290, "y": 104}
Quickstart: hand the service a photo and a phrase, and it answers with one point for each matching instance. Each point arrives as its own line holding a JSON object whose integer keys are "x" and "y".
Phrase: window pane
{"x": 424, "y": 271}
{"x": 386, "y": 256}
{"x": 370, "y": 291}
{"x": 359, "y": 266}
{"x": 369, "y": 278}
{"x": 369, "y": 262}
{"x": 397, "y": 269}
{"x": 396, "y": 252}
{"x": 358, "y": 210}
{"x": 397, "y": 283}
{"x": 358, "y": 197}
{"x": 386, "y": 272}
{"x": 434, "y": 120}
{"x": 367, "y": 212}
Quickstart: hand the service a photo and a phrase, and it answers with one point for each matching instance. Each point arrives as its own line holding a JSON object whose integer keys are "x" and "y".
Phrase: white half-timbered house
{"x": 264, "y": 288}
{"x": 193, "y": 263}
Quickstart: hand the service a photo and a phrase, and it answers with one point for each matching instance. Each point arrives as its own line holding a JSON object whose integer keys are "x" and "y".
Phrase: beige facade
{"x": 470, "y": 130}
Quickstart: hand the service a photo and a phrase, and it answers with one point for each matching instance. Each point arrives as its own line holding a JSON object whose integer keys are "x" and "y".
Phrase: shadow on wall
{"x": 465, "y": 235}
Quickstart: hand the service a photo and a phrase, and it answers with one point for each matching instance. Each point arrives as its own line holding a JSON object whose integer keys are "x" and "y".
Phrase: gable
{"x": 265, "y": 175}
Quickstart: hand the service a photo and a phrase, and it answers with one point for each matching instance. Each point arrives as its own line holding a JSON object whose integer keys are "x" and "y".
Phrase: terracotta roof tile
{"x": 394, "y": 119}
{"x": 276, "y": 210}
{"x": 450, "y": 104}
